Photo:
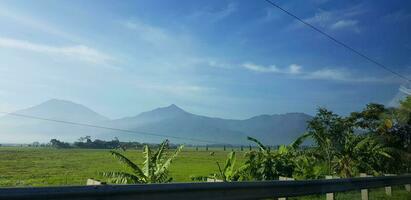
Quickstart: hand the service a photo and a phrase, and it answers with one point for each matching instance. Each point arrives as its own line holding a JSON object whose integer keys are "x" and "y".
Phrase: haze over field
{"x": 171, "y": 120}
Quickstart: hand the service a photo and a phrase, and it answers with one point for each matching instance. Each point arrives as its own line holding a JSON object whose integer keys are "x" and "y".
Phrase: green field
{"x": 46, "y": 166}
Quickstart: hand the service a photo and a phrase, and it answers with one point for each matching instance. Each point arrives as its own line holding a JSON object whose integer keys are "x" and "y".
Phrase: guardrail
{"x": 200, "y": 191}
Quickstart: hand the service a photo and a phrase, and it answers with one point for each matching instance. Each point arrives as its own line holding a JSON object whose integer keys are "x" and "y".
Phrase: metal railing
{"x": 199, "y": 191}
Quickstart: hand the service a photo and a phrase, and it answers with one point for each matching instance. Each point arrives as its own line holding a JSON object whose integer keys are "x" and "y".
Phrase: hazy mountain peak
{"x": 63, "y": 110}
{"x": 59, "y": 102}
{"x": 167, "y": 111}
{"x": 173, "y": 107}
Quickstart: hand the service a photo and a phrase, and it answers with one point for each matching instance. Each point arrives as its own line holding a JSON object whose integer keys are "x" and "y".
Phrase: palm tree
{"x": 154, "y": 170}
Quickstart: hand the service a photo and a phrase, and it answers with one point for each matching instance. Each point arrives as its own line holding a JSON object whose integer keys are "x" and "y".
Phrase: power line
{"x": 339, "y": 42}
{"x": 110, "y": 128}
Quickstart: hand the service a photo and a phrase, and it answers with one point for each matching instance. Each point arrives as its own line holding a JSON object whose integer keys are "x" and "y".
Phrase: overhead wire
{"x": 346, "y": 46}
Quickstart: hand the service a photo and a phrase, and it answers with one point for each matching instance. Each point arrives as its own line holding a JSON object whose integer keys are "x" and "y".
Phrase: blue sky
{"x": 231, "y": 59}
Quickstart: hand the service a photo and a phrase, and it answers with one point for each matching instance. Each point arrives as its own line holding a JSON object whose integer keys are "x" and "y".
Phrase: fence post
{"x": 388, "y": 189}
{"x": 330, "y": 196}
{"x": 91, "y": 181}
{"x": 364, "y": 192}
{"x": 282, "y": 178}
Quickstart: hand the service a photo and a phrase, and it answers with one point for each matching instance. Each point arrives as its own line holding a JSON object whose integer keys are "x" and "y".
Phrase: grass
{"x": 24, "y": 166}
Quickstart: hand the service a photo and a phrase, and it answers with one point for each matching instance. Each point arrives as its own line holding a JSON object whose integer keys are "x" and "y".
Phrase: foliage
{"x": 155, "y": 167}
{"x": 87, "y": 143}
{"x": 58, "y": 144}
{"x": 264, "y": 164}
{"x": 228, "y": 172}
{"x": 345, "y": 151}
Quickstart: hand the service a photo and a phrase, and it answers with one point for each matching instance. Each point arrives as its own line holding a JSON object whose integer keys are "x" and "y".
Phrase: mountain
{"x": 63, "y": 110}
{"x": 171, "y": 121}
{"x": 21, "y": 129}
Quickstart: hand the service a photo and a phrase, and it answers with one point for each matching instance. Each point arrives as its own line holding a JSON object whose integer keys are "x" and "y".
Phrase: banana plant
{"x": 266, "y": 165}
{"x": 227, "y": 173}
{"x": 155, "y": 168}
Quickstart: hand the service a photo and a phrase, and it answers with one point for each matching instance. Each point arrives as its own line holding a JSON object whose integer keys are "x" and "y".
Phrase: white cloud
{"x": 260, "y": 68}
{"x": 295, "y": 69}
{"x": 292, "y": 69}
{"x": 215, "y": 15}
{"x": 80, "y": 52}
{"x": 335, "y": 20}
{"x": 173, "y": 89}
{"x": 332, "y": 74}
{"x": 328, "y": 74}
{"x": 345, "y": 24}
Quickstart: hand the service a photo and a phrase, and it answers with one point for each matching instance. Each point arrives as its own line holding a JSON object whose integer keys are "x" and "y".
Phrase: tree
{"x": 58, "y": 144}
{"x": 155, "y": 167}
{"x": 370, "y": 119}
{"x": 345, "y": 152}
{"x": 328, "y": 131}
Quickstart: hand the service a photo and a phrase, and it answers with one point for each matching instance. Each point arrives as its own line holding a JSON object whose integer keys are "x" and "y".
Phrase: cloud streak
{"x": 335, "y": 20}
{"x": 331, "y": 74}
{"x": 32, "y": 22}
{"x": 216, "y": 15}
{"x": 292, "y": 69}
{"x": 80, "y": 52}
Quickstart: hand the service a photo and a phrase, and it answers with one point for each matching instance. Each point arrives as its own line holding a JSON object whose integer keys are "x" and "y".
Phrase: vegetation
{"x": 29, "y": 166}
{"x": 376, "y": 140}
{"x": 155, "y": 167}
{"x": 227, "y": 173}
{"x": 58, "y": 144}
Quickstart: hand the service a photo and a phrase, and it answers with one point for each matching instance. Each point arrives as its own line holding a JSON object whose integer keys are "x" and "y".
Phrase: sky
{"x": 222, "y": 58}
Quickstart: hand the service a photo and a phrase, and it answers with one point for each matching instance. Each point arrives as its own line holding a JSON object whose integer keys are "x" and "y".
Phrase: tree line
{"x": 87, "y": 143}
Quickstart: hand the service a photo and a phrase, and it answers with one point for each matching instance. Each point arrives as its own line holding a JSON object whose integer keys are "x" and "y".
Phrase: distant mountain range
{"x": 171, "y": 121}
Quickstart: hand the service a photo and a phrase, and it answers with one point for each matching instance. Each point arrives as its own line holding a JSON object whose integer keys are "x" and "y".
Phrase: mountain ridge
{"x": 169, "y": 120}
